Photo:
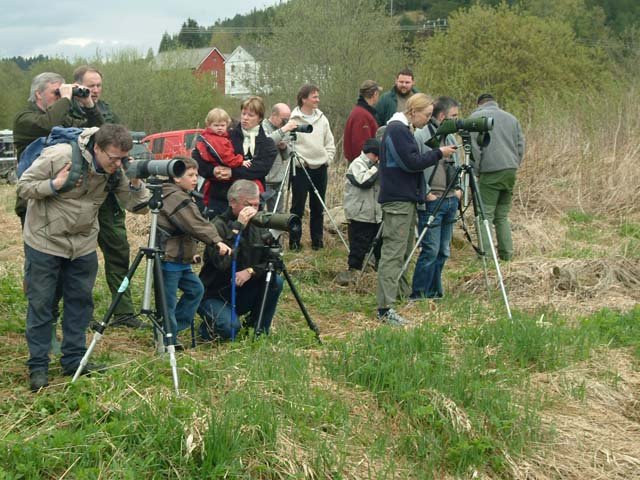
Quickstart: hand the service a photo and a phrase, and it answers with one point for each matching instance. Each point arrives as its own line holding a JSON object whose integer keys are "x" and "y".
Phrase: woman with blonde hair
{"x": 402, "y": 187}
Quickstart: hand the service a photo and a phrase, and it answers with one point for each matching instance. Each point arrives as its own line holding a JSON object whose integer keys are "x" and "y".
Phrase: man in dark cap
{"x": 361, "y": 208}
{"x": 497, "y": 164}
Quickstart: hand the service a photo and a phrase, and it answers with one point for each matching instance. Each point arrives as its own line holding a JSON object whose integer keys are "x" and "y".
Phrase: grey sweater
{"x": 506, "y": 148}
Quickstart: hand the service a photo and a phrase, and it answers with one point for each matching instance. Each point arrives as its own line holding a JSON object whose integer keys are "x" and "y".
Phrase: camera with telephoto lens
{"x": 150, "y": 168}
{"x": 287, "y": 222}
{"x": 453, "y": 125}
{"x": 303, "y": 129}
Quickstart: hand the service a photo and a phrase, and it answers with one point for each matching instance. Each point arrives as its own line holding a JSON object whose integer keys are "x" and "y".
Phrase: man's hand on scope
{"x": 224, "y": 249}
{"x": 289, "y": 126}
{"x": 246, "y": 214}
{"x": 448, "y": 150}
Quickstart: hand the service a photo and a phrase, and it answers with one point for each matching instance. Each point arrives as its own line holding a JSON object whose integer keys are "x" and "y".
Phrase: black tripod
{"x": 276, "y": 264}
{"x": 481, "y": 222}
{"x": 154, "y": 278}
{"x": 290, "y": 171}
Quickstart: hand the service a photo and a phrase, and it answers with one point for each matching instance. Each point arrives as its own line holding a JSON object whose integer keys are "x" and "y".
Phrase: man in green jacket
{"x": 395, "y": 99}
{"x": 111, "y": 217}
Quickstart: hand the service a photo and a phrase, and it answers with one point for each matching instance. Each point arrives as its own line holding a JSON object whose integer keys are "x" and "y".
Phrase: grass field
{"x": 462, "y": 393}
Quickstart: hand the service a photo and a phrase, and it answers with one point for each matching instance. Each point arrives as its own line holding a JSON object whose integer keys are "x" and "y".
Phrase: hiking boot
{"x": 38, "y": 379}
{"x": 347, "y": 278}
{"x": 393, "y": 318}
{"x": 88, "y": 369}
{"x": 128, "y": 320}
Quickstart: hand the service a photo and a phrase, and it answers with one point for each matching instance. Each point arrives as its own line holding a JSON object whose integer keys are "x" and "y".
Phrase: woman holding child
{"x": 248, "y": 140}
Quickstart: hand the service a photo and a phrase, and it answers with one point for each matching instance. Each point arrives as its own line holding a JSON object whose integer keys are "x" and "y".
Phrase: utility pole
{"x": 392, "y": 8}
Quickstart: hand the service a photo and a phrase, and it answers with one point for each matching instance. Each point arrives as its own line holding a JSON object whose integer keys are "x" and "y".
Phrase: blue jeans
{"x": 77, "y": 277}
{"x": 216, "y": 312}
{"x": 435, "y": 248}
{"x": 182, "y": 312}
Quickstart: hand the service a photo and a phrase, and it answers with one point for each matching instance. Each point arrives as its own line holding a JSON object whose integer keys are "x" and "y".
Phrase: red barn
{"x": 201, "y": 61}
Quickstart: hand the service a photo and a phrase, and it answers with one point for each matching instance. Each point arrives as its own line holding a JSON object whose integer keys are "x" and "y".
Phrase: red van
{"x": 165, "y": 145}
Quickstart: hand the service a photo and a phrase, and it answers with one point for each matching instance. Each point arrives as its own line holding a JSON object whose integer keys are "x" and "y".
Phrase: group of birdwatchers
{"x": 72, "y": 198}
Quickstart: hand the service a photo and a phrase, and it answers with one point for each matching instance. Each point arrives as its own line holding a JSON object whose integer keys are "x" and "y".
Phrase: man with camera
{"x": 251, "y": 256}
{"x": 112, "y": 238}
{"x": 496, "y": 163}
{"x": 435, "y": 247}
{"x": 60, "y": 236}
{"x": 315, "y": 150}
{"x": 50, "y": 104}
{"x": 277, "y": 127}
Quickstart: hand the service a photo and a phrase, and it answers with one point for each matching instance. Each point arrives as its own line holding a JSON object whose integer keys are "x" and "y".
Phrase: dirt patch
{"x": 568, "y": 285}
{"x": 594, "y": 419}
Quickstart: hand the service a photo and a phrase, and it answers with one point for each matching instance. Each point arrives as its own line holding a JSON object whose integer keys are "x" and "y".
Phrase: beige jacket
{"x": 66, "y": 224}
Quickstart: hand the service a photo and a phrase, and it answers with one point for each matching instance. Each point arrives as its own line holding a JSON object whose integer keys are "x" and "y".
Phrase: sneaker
{"x": 128, "y": 320}
{"x": 38, "y": 379}
{"x": 393, "y": 318}
{"x": 88, "y": 369}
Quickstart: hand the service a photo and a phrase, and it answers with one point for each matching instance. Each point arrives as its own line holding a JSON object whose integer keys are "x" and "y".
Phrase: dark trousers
{"x": 113, "y": 242}
{"x": 361, "y": 237}
{"x": 216, "y": 313}
{"x": 300, "y": 188}
{"x": 43, "y": 272}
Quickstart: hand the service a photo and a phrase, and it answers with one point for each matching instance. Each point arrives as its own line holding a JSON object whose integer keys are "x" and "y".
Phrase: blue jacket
{"x": 401, "y": 163}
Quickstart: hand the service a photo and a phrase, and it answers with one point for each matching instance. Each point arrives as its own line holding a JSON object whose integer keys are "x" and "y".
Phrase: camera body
{"x": 303, "y": 129}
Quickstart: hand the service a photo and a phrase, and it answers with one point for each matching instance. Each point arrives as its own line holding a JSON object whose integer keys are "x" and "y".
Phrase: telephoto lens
{"x": 150, "y": 168}
{"x": 303, "y": 129}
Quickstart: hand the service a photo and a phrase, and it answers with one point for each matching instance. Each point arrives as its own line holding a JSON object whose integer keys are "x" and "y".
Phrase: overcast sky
{"x": 69, "y": 28}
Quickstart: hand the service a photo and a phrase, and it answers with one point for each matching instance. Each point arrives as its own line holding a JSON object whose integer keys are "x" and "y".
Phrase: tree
{"x": 336, "y": 44}
{"x": 518, "y": 57}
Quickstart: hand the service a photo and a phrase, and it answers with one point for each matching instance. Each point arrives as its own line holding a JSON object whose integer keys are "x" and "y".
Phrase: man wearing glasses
{"x": 60, "y": 236}
{"x": 277, "y": 127}
{"x": 251, "y": 257}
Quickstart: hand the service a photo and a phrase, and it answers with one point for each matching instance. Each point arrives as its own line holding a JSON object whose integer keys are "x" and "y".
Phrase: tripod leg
{"x": 310, "y": 322}
{"x": 267, "y": 281}
{"x": 324, "y": 205}
{"x": 164, "y": 312}
{"x": 100, "y": 327}
{"x": 483, "y": 223}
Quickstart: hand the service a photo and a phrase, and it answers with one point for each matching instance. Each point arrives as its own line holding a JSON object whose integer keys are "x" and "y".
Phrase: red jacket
{"x": 223, "y": 146}
{"x": 361, "y": 125}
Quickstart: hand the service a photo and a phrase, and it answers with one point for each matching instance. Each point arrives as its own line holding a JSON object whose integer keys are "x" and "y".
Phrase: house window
{"x": 233, "y": 68}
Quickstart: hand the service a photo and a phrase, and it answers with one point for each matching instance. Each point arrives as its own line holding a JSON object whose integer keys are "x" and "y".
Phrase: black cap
{"x": 371, "y": 145}
{"x": 485, "y": 97}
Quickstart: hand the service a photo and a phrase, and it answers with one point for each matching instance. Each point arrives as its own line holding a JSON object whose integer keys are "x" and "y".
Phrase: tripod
{"x": 295, "y": 162}
{"x": 276, "y": 264}
{"x": 481, "y": 221}
{"x": 154, "y": 278}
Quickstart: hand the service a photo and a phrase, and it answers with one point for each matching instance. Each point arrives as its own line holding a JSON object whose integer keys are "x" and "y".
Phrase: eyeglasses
{"x": 115, "y": 158}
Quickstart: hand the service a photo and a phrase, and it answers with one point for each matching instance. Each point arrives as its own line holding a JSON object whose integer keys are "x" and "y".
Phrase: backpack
{"x": 79, "y": 166}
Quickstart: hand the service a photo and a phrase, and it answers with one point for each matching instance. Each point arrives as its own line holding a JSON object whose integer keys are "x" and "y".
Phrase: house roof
{"x": 189, "y": 58}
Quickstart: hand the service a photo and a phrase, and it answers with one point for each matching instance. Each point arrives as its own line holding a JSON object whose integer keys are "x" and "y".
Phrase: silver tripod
{"x": 153, "y": 279}
{"x": 481, "y": 222}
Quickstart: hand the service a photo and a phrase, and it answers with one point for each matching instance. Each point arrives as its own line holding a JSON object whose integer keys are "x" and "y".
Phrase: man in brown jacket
{"x": 60, "y": 236}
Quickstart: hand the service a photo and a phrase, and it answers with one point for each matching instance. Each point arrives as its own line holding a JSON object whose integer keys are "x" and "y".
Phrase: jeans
{"x": 182, "y": 312}
{"x": 496, "y": 191}
{"x": 42, "y": 274}
{"x": 216, "y": 312}
{"x": 435, "y": 248}
{"x": 300, "y": 188}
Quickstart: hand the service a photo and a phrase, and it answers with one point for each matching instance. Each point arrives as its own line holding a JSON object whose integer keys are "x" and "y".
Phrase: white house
{"x": 240, "y": 73}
